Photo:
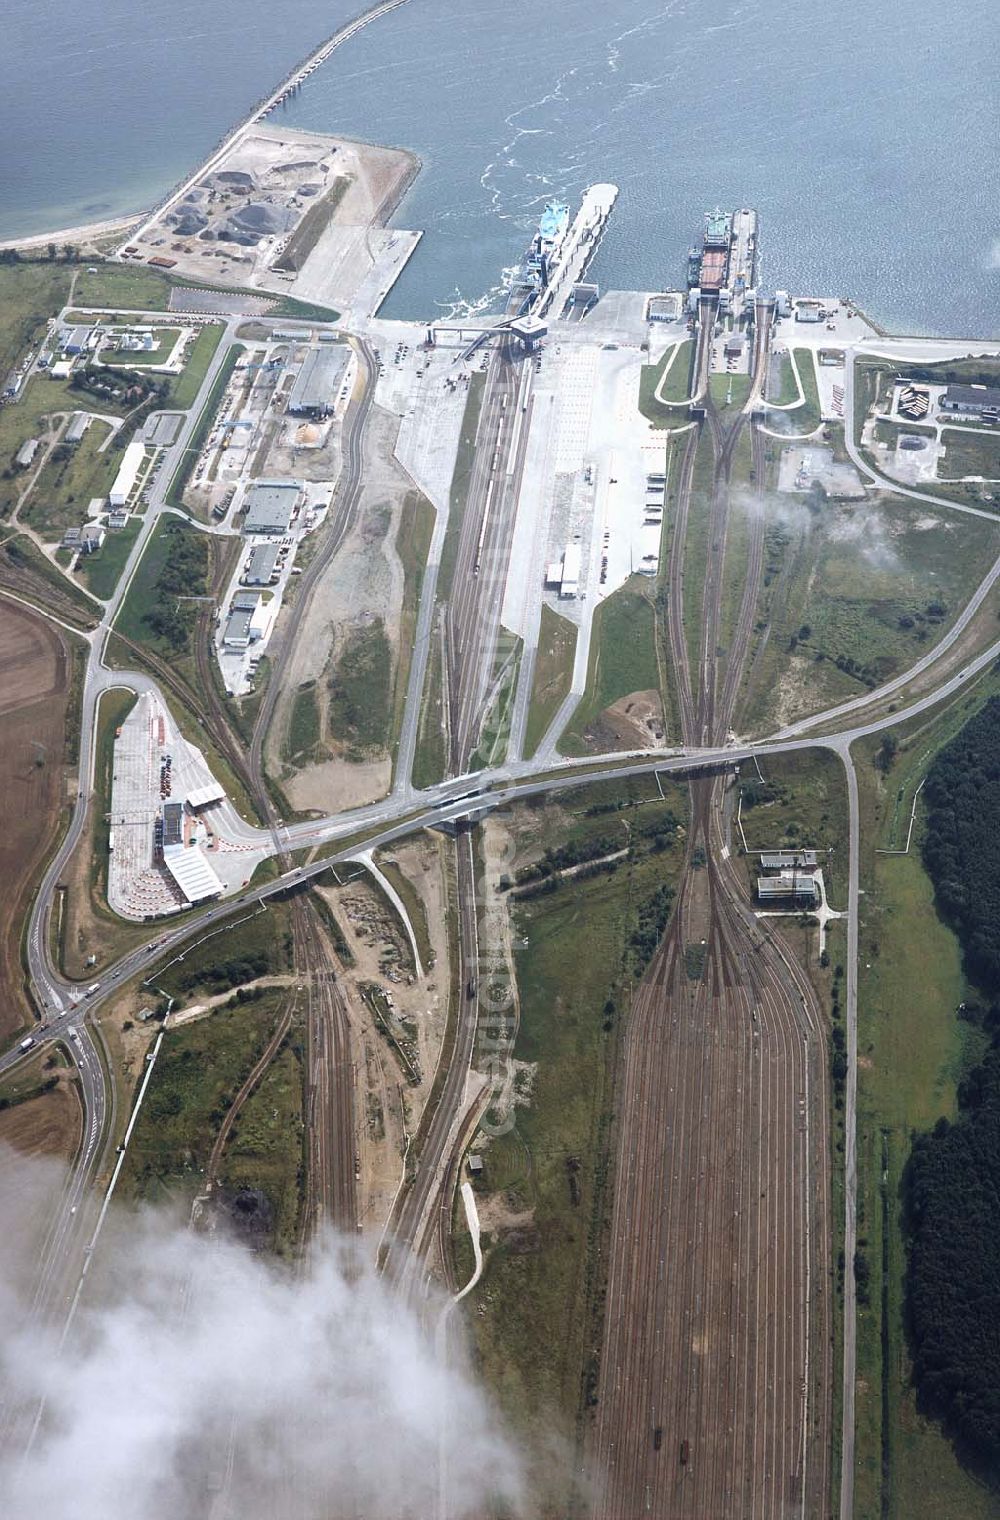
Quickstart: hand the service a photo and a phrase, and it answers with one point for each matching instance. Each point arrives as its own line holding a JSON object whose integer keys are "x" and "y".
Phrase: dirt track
{"x": 34, "y": 689}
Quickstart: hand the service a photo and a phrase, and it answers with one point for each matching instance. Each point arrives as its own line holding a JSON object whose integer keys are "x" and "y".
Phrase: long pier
{"x": 581, "y": 244}
{"x": 262, "y": 109}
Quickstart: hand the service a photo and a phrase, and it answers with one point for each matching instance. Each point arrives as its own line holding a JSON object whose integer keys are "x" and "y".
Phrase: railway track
{"x": 473, "y": 614}
{"x": 331, "y": 1173}
{"x": 717, "y": 1309}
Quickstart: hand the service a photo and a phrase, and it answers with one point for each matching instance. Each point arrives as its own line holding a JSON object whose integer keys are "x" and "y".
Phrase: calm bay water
{"x": 866, "y": 136}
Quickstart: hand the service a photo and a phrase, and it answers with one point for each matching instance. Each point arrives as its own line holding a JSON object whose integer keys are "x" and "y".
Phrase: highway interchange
{"x": 473, "y": 618}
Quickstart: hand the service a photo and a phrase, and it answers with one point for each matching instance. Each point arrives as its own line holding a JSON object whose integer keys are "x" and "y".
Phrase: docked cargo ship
{"x": 545, "y": 246}
{"x": 726, "y": 263}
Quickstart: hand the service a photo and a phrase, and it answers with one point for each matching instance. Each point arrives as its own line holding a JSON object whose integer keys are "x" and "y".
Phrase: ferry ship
{"x": 544, "y": 248}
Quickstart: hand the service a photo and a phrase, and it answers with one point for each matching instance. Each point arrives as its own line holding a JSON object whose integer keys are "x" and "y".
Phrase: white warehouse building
{"x": 128, "y": 472}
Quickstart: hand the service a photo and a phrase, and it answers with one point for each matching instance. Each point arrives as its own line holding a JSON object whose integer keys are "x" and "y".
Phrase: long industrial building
{"x": 317, "y": 384}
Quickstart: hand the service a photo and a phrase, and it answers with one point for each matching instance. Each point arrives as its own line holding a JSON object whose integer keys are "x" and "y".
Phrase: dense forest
{"x": 953, "y": 1196}
{"x": 952, "y": 1182}
{"x": 962, "y": 841}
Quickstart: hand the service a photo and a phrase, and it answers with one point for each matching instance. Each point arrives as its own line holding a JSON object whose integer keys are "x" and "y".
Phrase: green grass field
{"x": 854, "y": 595}
{"x": 912, "y": 1052}
{"x": 200, "y": 354}
{"x": 169, "y": 539}
{"x": 202, "y": 428}
{"x": 413, "y": 541}
{"x": 729, "y": 392}
{"x": 536, "y": 1316}
{"x": 806, "y": 418}
{"x": 30, "y": 292}
{"x": 124, "y": 287}
{"x": 622, "y": 658}
{"x": 301, "y": 740}
{"x": 267, "y": 1146}
{"x": 429, "y": 755}
{"x": 101, "y": 572}
{"x": 360, "y": 683}
{"x": 553, "y": 674}
{"x": 253, "y": 944}
{"x": 675, "y": 391}
{"x": 969, "y": 454}
{"x": 198, "y": 1073}
{"x": 166, "y": 337}
{"x": 70, "y": 477}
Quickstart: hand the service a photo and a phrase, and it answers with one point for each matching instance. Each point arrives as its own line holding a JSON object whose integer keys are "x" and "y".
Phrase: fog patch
{"x": 200, "y": 1380}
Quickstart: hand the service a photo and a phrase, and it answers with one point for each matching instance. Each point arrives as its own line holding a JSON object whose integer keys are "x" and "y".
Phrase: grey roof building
{"x": 77, "y": 428}
{"x": 971, "y": 398}
{"x": 318, "y": 382}
{"x": 262, "y": 565}
{"x": 270, "y": 504}
{"x": 27, "y": 452}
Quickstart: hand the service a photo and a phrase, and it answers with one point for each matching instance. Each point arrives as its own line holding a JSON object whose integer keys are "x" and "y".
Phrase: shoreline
{"x": 257, "y": 115}
{"x": 86, "y": 232}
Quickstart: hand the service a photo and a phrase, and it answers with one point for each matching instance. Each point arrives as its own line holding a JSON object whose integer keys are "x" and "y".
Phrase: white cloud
{"x": 201, "y": 1381}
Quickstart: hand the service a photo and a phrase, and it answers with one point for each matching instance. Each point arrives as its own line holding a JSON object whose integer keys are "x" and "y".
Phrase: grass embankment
{"x": 202, "y": 428}
{"x": 695, "y": 548}
{"x": 200, "y": 1069}
{"x": 312, "y": 226}
{"x": 676, "y": 365}
{"x": 254, "y": 944}
{"x": 25, "y": 570}
{"x": 552, "y": 676}
{"x": 545, "y": 1194}
{"x": 429, "y": 758}
{"x": 132, "y": 288}
{"x": 185, "y": 388}
{"x": 734, "y": 570}
{"x": 622, "y": 659}
{"x": 413, "y": 542}
{"x": 460, "y": 482}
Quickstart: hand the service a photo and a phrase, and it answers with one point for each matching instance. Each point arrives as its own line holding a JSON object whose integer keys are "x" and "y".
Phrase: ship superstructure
{"x": 546, "y": 245}
{"x": 726, "y": 264}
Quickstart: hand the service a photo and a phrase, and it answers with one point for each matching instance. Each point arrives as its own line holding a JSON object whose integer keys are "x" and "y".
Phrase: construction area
{"x": 290, "y": 213}
{"x": 174, "y": 837}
